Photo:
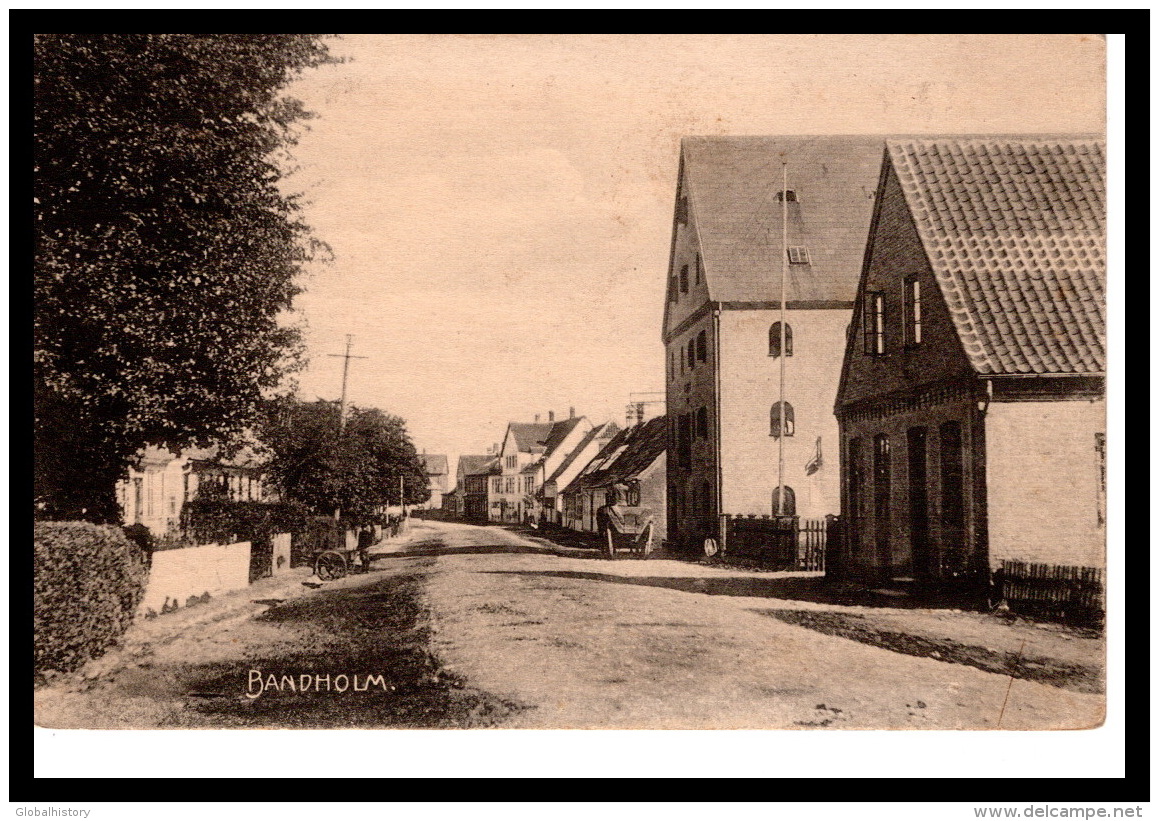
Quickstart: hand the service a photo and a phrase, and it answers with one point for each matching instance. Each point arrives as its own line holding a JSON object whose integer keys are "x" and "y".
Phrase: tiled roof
{"x": 435, "y": 463}
{"x": 641, "y": 444}
{"x": 1015, "y": 230}
{"x": 475, "y": 465}
{"x": 733, "y": 187}
{"x": 530, "y": 436}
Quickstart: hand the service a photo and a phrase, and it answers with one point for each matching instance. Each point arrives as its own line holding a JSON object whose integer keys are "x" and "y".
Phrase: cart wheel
{"x": 710, "y": 547}
{"x": 329, "y": 566}
{"x": 610, "y": 544}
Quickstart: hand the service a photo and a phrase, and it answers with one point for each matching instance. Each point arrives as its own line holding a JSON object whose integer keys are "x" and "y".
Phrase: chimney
{"x": 571, "y": 412}
{"x": 551, "y": 416}
{"x": 495, "y": 448}
{"x": 537, "y": 417}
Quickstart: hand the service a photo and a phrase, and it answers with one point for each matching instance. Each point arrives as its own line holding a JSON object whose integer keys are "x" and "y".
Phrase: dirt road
{"x": 464, "y": 626}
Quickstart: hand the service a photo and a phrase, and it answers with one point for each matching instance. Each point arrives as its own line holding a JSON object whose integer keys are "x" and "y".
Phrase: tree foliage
{"x": 166, "y": 253}
{"x": 356, "y": 469}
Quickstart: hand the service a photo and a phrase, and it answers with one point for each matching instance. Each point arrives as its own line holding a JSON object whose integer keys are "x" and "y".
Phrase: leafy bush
{"x": 88, "y": 581}
{"x": 206, "y": 521}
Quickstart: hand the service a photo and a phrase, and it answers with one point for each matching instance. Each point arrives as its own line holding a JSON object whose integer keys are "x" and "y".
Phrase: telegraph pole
{"x": 346, "y": 357}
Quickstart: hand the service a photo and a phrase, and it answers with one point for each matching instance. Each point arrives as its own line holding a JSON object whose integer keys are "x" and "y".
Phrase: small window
{"x": 787, "y": 195}
{"x": 790, "y": 507}
{"x": 913, "y": 311}
{"x": 683, "y": 359}
{"x": 683, "y": 279}
{"x": 632, "y": 497}
{"x": 682, "y": 211}
{"x": 775, "y": 339}
{"x": 702, "y": 423}
{"x": 798, "y": 255}
{"x": 673, "y": 293}
{"x": 698, "y": 269}
{"x": 781, "y": 423}
{"x": 873, "y": 322}
{"x": 691, "y": 355}
{"x": 702, "y": 346}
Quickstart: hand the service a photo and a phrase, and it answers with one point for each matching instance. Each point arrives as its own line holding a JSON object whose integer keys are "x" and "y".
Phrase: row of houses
{"x": 559, "y": 472}
{"x": 932, "y": 367}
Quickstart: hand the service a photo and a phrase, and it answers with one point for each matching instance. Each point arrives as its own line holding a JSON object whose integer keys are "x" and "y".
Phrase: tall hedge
{"x": 88, "y": 581}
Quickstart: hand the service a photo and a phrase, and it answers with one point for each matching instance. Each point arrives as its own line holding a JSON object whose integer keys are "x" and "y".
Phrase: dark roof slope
{"x": 642, "y": 444}
{"x": 733, "y": 187}
{"x": 530, "y": 436}
{"x": 435, "y": 464}
{"x": 559, "y": 431}
{"x": 1015, "y": 231}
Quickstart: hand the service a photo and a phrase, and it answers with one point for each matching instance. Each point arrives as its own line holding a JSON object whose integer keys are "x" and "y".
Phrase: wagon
{"x": 338, "y": 559}
{"x": 637, "y": 538}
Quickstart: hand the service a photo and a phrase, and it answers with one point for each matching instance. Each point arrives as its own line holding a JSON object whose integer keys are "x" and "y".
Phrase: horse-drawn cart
{"x": 635, "y": 536}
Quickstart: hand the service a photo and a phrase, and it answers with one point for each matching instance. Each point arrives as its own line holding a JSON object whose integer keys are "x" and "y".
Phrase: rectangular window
{"x": 873, "y": 323}
{"x": 511, "y": 485}
{"x": 798, "y": 255}
{"x": 913, "y": 311}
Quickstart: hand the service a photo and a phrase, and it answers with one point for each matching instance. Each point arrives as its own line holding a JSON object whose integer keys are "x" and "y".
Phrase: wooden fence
{"x": 782, "y": 543}
{"x": 1052, "y": 589}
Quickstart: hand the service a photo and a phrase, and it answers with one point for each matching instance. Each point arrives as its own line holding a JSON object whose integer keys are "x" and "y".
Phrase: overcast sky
{"x": 500, "y": 206}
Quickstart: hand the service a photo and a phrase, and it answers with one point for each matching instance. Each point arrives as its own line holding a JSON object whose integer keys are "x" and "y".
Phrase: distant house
{"x": 472, "y": 473}
{"x": 452, "y": 503}
{"x": 548, "y": 495}
{"x": 971, "y": 402}
{"x": 435, "y": 466}
{"x": 635, "y": 457}
{"x": 157, "y": 487}
{"x": 741, "y": 218}
{"x": 531, "y": 451}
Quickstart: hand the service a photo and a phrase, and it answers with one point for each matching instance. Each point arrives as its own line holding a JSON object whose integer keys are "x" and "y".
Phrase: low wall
{"x": 176, "y": 575}
{"x": 281, "y": 560}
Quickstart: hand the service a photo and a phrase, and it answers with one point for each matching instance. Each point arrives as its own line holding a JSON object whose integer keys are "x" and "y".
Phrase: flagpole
{"x": 781, "y": 398}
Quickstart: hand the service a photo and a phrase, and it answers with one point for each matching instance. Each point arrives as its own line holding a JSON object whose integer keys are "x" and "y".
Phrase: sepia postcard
{"x": 558, "y": 382}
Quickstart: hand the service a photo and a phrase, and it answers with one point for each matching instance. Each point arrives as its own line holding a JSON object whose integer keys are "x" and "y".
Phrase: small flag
{"x": 816, "y": 463}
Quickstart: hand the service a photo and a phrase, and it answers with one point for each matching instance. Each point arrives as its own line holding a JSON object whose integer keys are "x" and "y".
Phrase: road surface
{"x": 466, "y": 626}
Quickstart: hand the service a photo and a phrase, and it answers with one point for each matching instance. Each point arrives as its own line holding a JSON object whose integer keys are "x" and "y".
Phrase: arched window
{"x": 775, "y": 339}
{"x": 790, "y": 502}
{"x": 702, "y": 423}
{"x": 682, "y": 358}
{"x": 781, "y": 422}
{"x": 691, "y": 354}
{"x": 684, "y": 279}
{"x": 702, "y": 347}
{"x": 699, "y": 268}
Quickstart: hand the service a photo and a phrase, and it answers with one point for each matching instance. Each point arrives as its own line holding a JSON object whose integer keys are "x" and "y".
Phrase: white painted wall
{"x": 749, "y": 382}
{"x": 1042, "y": 482}
{"x": 191, "y": 571}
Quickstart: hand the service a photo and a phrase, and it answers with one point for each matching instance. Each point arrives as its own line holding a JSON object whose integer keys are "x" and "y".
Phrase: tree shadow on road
{"x": 435, "y": 548}
{"x": 815, "y": 589}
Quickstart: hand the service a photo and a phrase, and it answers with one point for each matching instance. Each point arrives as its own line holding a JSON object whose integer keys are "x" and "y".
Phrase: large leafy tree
{"x": 355, "y": 469}
{"x": 166, "y": 252}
